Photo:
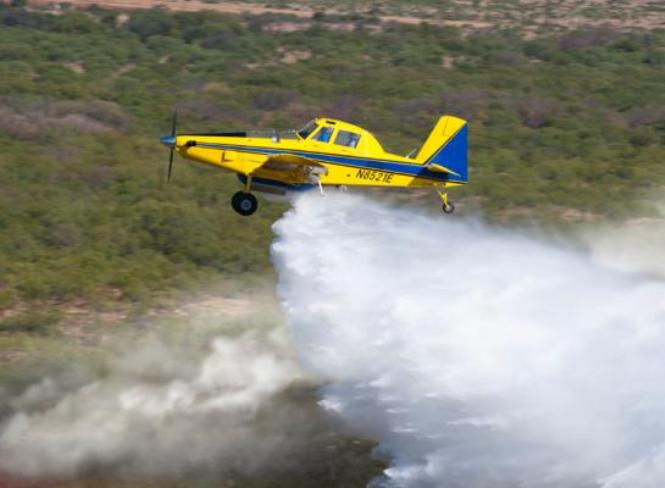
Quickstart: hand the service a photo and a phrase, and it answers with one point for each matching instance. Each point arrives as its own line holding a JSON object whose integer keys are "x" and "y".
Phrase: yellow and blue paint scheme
{"x": 330, "y": 152}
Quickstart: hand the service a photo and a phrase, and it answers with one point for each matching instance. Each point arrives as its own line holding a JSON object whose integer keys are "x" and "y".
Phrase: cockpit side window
{"x": 348, "y": 139}
{"x": 307, "y": 130}
{"x": 324, "y": 134}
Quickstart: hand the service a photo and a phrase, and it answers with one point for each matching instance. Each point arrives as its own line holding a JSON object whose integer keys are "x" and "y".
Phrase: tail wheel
{"x": 448, "y": 208}
{"x": 244, "y": 203}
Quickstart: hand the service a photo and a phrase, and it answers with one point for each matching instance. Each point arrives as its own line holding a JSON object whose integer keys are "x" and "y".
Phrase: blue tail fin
{"x": 445, "y": 150}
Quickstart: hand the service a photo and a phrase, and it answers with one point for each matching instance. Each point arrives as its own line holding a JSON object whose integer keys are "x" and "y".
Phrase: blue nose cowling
{"x": 168, "y": 141}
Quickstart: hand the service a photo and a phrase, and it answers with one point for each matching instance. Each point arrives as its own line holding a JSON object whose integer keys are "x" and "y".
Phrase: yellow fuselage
{"x": 365, "y": 164}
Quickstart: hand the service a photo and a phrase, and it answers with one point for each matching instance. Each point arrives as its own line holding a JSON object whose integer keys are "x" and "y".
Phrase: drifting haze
{"x": 477, "y": 356}
{"x": 637, "y": 245}
{"x": 157, "y": 412}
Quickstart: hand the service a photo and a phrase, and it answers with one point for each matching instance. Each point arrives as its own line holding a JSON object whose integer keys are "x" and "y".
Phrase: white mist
{"x": 477, "y": 357}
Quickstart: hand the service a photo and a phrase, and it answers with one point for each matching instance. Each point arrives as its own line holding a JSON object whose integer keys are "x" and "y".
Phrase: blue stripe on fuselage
{"x": 381, "y": 165}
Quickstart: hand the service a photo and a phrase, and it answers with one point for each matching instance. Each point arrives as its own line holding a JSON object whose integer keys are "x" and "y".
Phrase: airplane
{"x": 326, "y": 152}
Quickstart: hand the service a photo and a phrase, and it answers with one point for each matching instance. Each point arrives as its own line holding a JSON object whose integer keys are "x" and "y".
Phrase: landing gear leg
{"x": 244, "y": 202}
{"x": 447, "y": 206}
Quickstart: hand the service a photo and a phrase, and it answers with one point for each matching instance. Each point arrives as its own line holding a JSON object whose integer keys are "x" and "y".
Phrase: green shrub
{"x": 41, "y": 323}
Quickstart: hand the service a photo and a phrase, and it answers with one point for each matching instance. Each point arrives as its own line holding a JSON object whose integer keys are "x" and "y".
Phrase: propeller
{"x": 170, "y": 141}
{"x": 174, "y": 121}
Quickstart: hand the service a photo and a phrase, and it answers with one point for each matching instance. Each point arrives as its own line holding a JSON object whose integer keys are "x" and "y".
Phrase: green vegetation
{"x": 31, "y": 322}
{"x": 569, "y": 121}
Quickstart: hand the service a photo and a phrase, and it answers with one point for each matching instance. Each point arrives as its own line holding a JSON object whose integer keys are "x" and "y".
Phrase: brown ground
{"x": 302, "y": 12}
{"x": 527, "y": 15}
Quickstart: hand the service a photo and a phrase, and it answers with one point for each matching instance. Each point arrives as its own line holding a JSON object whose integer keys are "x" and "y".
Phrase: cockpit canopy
{"x": 305, "y": 132}
{"x": 339, "y": 133}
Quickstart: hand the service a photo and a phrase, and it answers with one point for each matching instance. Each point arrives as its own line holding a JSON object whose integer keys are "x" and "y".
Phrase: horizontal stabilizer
{"x": 437, "y": 168}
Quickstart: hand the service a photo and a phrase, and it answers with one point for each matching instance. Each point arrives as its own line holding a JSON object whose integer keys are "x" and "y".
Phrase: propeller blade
{"x": 174, "y": 121}
{"x": 168, "y": 178}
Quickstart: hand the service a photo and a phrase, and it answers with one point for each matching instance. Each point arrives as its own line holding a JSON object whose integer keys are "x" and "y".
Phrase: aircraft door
{"x": 346, "y": 142}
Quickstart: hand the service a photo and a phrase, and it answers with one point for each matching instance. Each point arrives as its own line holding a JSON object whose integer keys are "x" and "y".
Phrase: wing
{"x": 294, "y": 169}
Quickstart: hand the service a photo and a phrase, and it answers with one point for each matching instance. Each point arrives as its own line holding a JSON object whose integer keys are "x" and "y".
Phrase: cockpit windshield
{"x": 307, "y": 130}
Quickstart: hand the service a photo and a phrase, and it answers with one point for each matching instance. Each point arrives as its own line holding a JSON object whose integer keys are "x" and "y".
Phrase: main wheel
{"x": 244, "y": 203}
{"x": 448, "y": 208}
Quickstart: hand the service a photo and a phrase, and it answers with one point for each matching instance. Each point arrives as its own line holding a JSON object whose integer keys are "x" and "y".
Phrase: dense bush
{"x": 41, "y": 323}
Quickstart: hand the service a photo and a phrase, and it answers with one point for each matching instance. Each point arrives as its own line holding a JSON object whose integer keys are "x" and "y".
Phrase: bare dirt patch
{"x": 125, "y": 69}
{"x": 287, "y": 26}
{"x": 292, "y": 57}
{"x": 77, "y": 68}
{"x": 180, "y": 5}
{"x": 448, "y": 61}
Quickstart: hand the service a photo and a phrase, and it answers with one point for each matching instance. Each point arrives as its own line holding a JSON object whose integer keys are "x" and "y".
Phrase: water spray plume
{"x": 476, "y": 356}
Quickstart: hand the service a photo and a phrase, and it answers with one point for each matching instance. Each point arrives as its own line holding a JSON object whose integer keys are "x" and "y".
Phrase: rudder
{"x": 446, "y": 146}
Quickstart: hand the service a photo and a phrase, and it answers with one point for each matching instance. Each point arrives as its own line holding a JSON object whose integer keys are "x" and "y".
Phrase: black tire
{"x": 448, "y": 208}
{"x": 244, "y": 203}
